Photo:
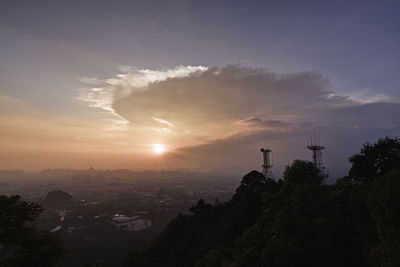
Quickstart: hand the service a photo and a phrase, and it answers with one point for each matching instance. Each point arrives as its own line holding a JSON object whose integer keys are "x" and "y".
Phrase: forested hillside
{"x": 298, "y": 221}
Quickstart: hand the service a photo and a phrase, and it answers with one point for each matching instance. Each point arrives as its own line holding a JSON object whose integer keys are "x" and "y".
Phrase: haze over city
{"x": 99, "y": 83}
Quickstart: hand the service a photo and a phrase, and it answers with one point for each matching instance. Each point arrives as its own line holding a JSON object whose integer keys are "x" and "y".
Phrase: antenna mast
{"x": 267, "y": 171}
{"x": 316, "y": 150}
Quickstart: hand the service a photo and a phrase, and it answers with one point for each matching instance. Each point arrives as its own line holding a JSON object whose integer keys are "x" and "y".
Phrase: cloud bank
{"x": 219, "y": 116}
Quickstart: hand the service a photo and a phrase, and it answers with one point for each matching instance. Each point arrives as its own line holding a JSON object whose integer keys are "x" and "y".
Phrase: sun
{"x": 158, "y": 148}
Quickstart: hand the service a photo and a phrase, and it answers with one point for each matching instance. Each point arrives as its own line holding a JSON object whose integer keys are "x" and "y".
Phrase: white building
{"x": 134, "y": 223}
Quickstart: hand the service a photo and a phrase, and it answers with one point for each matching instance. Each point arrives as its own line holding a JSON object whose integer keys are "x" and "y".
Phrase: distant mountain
{"x": 58, "y": 199}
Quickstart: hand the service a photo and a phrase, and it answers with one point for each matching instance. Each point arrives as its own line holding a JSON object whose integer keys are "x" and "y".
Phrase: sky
{"x": 99, "y": 83}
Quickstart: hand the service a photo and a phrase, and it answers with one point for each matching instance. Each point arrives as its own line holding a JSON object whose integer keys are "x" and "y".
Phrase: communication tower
{"x": 267, "y": 171}
{"x": 316, "y": 150}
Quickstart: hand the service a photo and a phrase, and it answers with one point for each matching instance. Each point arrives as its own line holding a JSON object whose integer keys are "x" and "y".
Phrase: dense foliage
{"x": 21, "y": 242}
{"x": 299, "y": 221}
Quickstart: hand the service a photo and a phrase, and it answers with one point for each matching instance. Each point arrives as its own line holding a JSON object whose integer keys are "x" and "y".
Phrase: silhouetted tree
{"x": 355, "y": 232}
{"x": 359, "y": 234}
{"x": 200, "y": 207}
{"x": 302, "y": 172}
{"x": 375, "y": 160}
{"x": 197, "y": 238}
{"x": 295, "y": 228}
{"x": 21, "y": 243}
{"x": 384, "y": 205}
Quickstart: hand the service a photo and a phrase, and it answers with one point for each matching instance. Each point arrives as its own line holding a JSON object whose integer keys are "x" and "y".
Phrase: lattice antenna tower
{"x": 316, "y": 149}
{"x": 267, "y": 166}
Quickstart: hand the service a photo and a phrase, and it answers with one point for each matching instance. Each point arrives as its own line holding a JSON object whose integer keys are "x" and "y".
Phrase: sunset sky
{"x": 194, "y": 84}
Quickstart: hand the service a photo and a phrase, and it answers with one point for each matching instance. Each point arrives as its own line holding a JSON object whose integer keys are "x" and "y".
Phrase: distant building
{"x": 134, "y": 223}
{"x": 56, "y": 229}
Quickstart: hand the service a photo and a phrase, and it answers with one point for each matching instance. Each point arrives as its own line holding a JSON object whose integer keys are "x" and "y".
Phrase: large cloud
{"x": 214, "y": 102}
{"x": 222, "y": 111}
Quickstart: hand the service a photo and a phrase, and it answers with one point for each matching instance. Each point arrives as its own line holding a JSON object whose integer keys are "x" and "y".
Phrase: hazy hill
{"x": 58, "y": 199}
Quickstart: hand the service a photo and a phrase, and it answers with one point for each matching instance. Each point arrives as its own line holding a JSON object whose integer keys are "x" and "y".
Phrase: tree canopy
{"x": 299, "y": 221}
{"x": 376, "y": 159}
{"x": 21, "y": 242}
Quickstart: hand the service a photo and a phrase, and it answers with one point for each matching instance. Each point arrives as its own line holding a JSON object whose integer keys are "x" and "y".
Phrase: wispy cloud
{"x": 102, "y": 93}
